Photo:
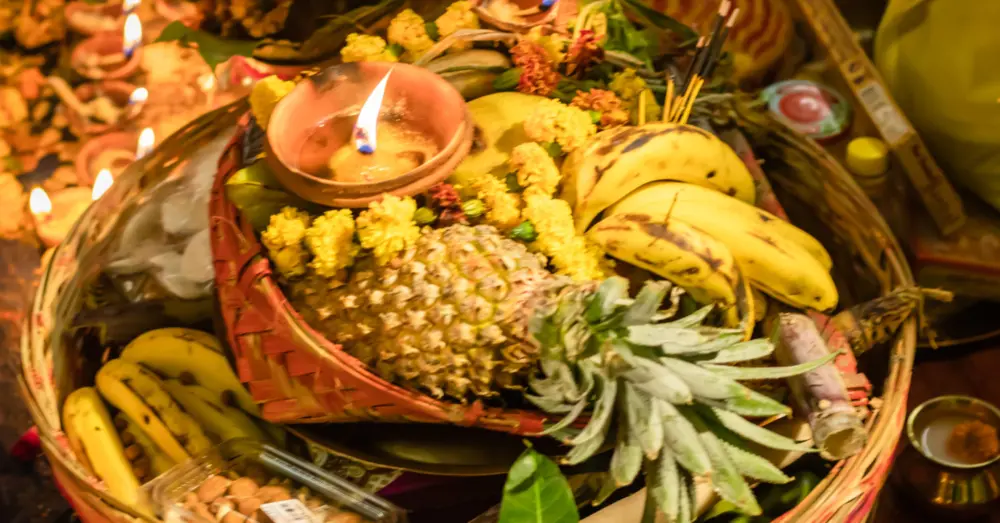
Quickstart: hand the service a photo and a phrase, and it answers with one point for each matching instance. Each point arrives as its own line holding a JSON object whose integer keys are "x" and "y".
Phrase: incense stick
{"x": 716, "y": 52}
{"x": 668, "y": 102}
{"x": 686, "y": 80}
{"x": 690, "y": 104}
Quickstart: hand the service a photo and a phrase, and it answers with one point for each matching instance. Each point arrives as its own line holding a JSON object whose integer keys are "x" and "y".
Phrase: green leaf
{"x": 727, "y": 481}
{"x": 607, "y": 296}
{"x": 554, "y": 150}
{"x": 753, "y": 432}
{"x": 745, "y": 351}
{"x": 432, "y": 31}
{"x": 627, "y": 458}
{"x": 769, "y": 373}
{"x": 646, "y": 303}
{"x": 213, "y": 50}
{"x": 508, "y": 80}
{"x": 653, "y": 18}
{"x": 257, "y": 194}
{"x": 537, "y": 492}
{"x": 396, "y": 50}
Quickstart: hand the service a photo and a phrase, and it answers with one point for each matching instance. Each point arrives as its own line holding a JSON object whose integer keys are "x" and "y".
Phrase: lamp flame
{"x": 139, "y": 96}
{"x": 133, "y": 34}
{"x": 147, "y": 139}
{"x": 101, "y": 184}
{"x": 39, "y": 202}
{"x": 365, "y": 127}
{"x": 129, "y": 5}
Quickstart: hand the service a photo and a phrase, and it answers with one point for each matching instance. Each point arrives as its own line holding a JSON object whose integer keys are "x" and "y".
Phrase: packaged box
{"x": 877, "y": 113}
{"x": 250, "y": 482}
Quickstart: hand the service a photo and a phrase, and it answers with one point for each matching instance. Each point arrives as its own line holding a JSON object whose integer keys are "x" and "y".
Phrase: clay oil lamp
{"x": 88, "y": 18}
{"x": 110, "y": 55}
{"x": 347, "y": 135}
{"x": 55, "y": 216}
{"x": 517, "y": 16}
{"x": 111, "y": 151}
{"x": 173, "y": 10}
{"x": 106, "y": 105}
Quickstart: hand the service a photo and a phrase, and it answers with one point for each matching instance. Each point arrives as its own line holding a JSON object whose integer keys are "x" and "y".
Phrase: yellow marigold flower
{"x": 366, "y": 48}
{"x": 283, "y": 240}
{"x": 407, "y": 29}
{"x": 553, "y": 121}
{"x": 536, "y": 171}
{"x": 554, "y": 45}
{"x": 459, "y": 15}
{"x": 629, "y": 86}
{"x": 571, "y": 254}
{"x": 387, "y": 227}
{"x": 290, "y": 262}
{"x": 503, "y": 209}
{"x": 286, "y": 229}
{"x": 331, "y": 241}
{"x": 265, "y": 95}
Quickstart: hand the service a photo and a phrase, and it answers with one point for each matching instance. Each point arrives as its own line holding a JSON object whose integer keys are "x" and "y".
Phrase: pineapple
{"x": 466, "y": 312}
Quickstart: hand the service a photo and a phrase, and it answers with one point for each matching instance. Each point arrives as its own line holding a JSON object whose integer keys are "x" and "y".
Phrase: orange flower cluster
{"x": 538, "y": 73}
{"x": 612, "y": 108}
{"x": 584, "y": 53}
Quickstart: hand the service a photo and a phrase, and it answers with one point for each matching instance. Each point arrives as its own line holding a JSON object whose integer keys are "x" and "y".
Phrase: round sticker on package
{"x": 808, "y": 108}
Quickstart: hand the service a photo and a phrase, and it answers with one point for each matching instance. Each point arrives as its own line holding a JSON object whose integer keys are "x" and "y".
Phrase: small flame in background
{"x": 133, "y": 34}
{"x": 365, "y": 127}
{"x": 39, "y": 202}
{"x": 140, "y": 95}
{"x": 101, "y": 184}
{"x": 147, "y": 139}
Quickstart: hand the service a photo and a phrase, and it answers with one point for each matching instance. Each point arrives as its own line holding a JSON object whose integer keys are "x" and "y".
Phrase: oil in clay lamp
{"x": 88, "y": 18}
{"x": 110, "y": 55}
{"x": 55, "y": 216}
{"x": 410, "y": 132}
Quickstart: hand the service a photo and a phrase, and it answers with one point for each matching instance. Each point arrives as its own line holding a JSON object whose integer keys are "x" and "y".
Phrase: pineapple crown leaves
{"x": 664, "y": 387}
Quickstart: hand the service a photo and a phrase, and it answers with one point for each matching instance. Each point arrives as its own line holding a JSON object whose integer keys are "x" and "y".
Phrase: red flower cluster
{"x": 445, "y": 198}
{"x": 583, "y": 53}
{"x": 612, "y": 109}
{"x": 538, "y": 73}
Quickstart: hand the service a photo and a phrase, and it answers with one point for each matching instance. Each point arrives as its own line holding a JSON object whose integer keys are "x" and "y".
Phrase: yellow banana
{"x": 140, "y": 395}
{"x": 223, "y": 422}
{"x": 663, "y": 194}
{"x": 773, "y": 263}
{"x": 93, "y": 436}
{"x": 621, "y": 161}
{"x": 190, "y": 355}
{"x": 759, "y": 304}
{"x": 676, "y": 251}
{"x": 159, "y": 461}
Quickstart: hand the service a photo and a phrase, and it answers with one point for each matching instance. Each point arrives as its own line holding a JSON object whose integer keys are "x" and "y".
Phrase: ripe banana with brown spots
{"x": 94, "y": 439}
{"x": 676, "y": 251}
{"x": 617, "y": 162}
{"x": 775, "y": 264}
{"x": 140, "y": 394}
{"x": 193, "y": 357}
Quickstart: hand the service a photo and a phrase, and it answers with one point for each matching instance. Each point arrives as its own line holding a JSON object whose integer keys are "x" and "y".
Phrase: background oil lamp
{"x": 347, "y": 135}
{"x": 110, "y": 55}
{"x": 55, "y": 216}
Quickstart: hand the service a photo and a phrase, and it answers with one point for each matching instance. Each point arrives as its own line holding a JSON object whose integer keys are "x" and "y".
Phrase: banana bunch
{"x": 191, "y": 356}
{"x": 159, "y": 421}
{"x": 677, "y": 201}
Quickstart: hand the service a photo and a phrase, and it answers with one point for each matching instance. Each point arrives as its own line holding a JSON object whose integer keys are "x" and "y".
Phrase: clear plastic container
{"x": 284, "y": 489}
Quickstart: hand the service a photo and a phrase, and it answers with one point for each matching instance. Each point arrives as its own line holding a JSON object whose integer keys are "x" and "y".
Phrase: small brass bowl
{"x": 947, "y": 489}
{"x": 918, "y": 422}
{"x": 426, "y": 101}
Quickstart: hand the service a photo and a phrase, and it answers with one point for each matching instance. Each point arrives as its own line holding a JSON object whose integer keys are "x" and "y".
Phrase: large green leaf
{"x": 213, "y": 50}
{"x": 651, "y": 17}
{"x": 258, "y": 195}
{"x": 537, "y": 492}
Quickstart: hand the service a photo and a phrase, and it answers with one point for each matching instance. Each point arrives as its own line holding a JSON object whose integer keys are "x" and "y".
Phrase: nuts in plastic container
{"x": 244, "y": 481}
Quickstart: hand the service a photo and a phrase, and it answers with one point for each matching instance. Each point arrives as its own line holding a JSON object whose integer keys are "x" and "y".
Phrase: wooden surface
{"x": 972, "y": 370}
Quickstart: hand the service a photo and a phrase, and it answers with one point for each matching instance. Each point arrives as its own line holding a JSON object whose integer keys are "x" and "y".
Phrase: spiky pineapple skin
{"x": 449, "y": 316}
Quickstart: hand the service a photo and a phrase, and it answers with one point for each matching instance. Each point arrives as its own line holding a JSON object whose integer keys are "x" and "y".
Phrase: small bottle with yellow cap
{"x": 868, "y": 161}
